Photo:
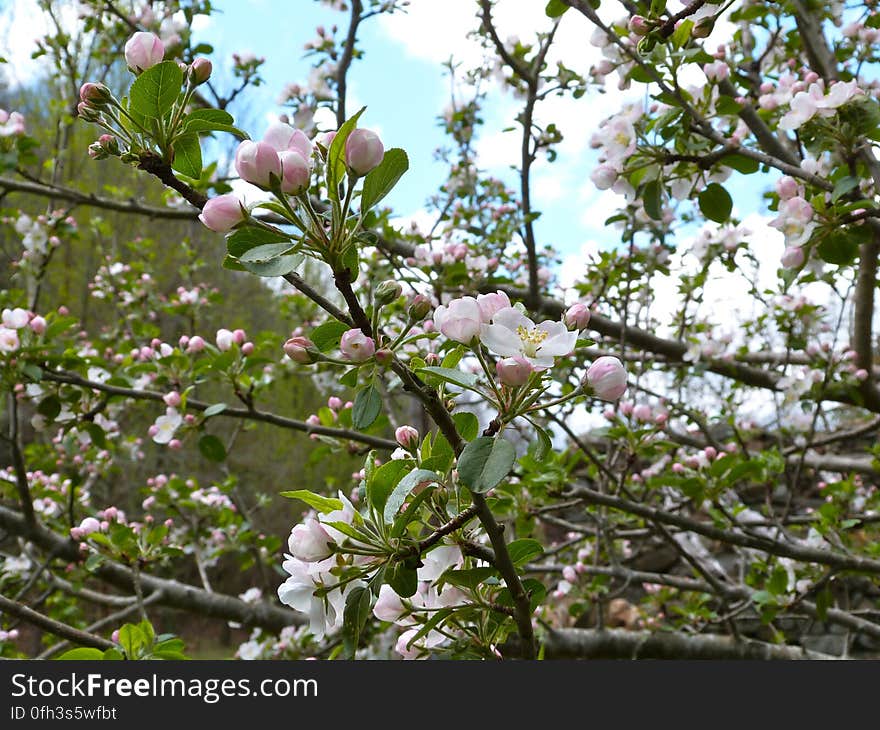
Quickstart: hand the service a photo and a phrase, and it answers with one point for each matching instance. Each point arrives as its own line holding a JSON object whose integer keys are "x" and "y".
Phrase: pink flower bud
{"x": 284, "y": 138}
{"x": 222, "y": 213}
{"x": 96, "y": 95}
{"x": 607, "y": 377}
{"x": 175, "y": 444}
{"x": 710, "y": 452}
{"x": 257, "y": 163}
{"x": 196, "y": 344}
{"x": 419, "y": 307}
{"x": 299, "y": 349}
{"x": 460, "y": 320}
{"x": 143, "y": 50}
{"x": 861, "y": 374}
{"x": 295, "y": 173}
{"x": 793, "y": 257}
{"x": 239, "y": 336}
{"x": 89, "y": 525}
{"x": 677, "y": 468}
{"x": 408, "y": 437}
{"x": 787, "y": 187}
{"x": 200, "y": 71}
{"x": 491, "y": 304}
{"x": 247, "y": 349}
{"x": 334, "y": 402}
{"x": 514, "y": 371}
{"x": 172, "y": 399}
{"x": 38, "y": 325}
{"x": 639, "y": 25}
{"x": 363, "y": 151}
{"x": 577, "y": 317}
{"x": 224, "y": 339}
{"x": 642, "y": 412}
{"x": 310, "y": 542}
{"x": 384, "y": 356}
{"x": 356, "y": 346}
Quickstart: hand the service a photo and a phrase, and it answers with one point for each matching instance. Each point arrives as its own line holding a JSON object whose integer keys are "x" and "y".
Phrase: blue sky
{"x": 403, "y": 84}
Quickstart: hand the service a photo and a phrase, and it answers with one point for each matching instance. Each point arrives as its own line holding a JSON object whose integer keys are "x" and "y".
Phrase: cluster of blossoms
{"x": 813, "y": 101}
{"x": 317, "y": 558}
{"x": 312, "y": 587}
{"x": 13, "y": 322}
{"x": 11, "y": 124}
{"x": 282, "y": 162}
{"x": 796, "y": 219}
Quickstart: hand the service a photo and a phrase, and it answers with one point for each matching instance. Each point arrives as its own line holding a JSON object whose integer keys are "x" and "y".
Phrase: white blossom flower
{"x": 512, "y": 333}
{"x": 166, "y": 426}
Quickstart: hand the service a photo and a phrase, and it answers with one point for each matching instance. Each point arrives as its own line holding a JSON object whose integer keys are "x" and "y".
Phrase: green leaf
{"x": 212, "y": 120}
{"x": 522, "y": 551}
{"x": 358, "y": 603}
{"x": 403, "y": 578}
{"x": 843, "y": 186}
{"x": 555, "y": 9}
{"x": 349, "y": 378}
{"x": 209, "y": 116}
{"x": 778, "y": 583}
{"x": 212, "y": 448}
{"x": 244, "y": 239}
{"x": 315, "y": 501}
{"x": 351, "y": 260}
{"x": 383, "y": 481}
{"x": 652, "y": 199}
{"x": 188, "y": 156}
{"x": 715, "y": 203}
{"x": 131, "y": 639}
{"x": 265, "y": 252}
{"x": 543, "y": 445}
{"x": 336, "y": 155}
{"x": 49, "y": 407}
{"x": 215, "y": 409}
{"x": 326, "y": 336}
{"x": 154, "y": 92}
{"x": 841, "y": 246}
{"x": 682, "y": 33}
{"x": 417, "y": 477}
{"x": 741, "y": 163}
{"x": 451, "y": 375}
{"x": 484, "y": 462}
{"x": 367, "y": 407}
{"x": 435, "y": 620}
{"x": 469, "y": 577}
{"x": 82, "y": 653}
{"x": 467, "y": 425}
{"x": 727, "y": 106}
{"x": 381, "y": 180}
{"x": 407, "y": 516}
{"x": 96, "y": 433}
{"x": 279, "y": 266}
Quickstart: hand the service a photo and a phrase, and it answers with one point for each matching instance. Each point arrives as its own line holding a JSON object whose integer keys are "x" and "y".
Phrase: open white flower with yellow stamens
{"x": 512, "y": 333}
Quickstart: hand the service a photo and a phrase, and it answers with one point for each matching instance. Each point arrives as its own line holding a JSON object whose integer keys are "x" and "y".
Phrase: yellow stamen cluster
{"x": 531, "y": 339}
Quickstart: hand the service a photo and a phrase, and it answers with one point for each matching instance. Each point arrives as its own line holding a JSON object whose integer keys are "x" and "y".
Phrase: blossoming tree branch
{"x": 619, "y": 467}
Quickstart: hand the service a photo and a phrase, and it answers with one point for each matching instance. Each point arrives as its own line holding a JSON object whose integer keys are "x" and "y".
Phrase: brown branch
{"x": 797, "y": 552}
{"x": 18, "y": 465}
{"x": 357, "y": 10}
{"x": 251, "y": 414}
{"x": 57, "y": 628}
{"x": 157, "y": 167}
{"x": 174, "y": 594}
{"x": 622, "y": 644}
